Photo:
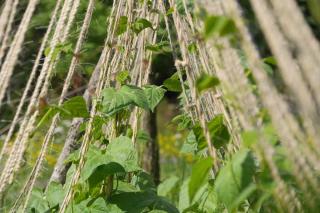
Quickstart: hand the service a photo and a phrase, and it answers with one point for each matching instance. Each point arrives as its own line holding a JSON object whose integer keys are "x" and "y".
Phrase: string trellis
{"x": 298, "y": 130}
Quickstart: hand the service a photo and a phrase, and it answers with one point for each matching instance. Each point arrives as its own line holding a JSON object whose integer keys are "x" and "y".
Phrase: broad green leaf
{"x": 123, "y": 76}
{"x": 114, "y": 101}
{"x": 206, "y": 81}
{"x": 235, "y": 177}
{"x": 75, "y": 107}
{"x": 140, "y": 24}
{"x": 136, "y": 202}
{"x": 219, "y": 26}
{"x": 54, "y": 194}
{"x": 184, "y": 200}
{"x": 37, "y": 202}
{"x": 122, "y": 25}
{"x": 199, "y": 175}
{"x": 173, "y": 83}
{"x": 133, "y": 202}
{"x": 99, "y": 206}
{"x": 95, "y": 157}
{"x": 219, "y": 132}
{"x": 101, "y": 172}
{"x": 79, "y": 207}
{"x": 122, "y": 151}
{"x": 113, "y": 209}
{"x": 167, "y": 185}
{"x": 154, "y": 95}
{"x": 136, "y": 94}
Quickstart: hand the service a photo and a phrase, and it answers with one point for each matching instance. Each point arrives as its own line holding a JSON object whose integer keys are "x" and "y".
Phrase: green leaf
{"x": 184, "y": 121}
{"x": 173, "y": 83}
{"x": 314, "y": 8}
{"x": 122, "y": 151}
{"x": 235, "y": 177}
{"x": 74, "y": 107}
{"x": 219, "y": 132}
{"x": 101, "y": 172}
{"x": 170, "y": 11}
{"x": 99, "y": 206}
{"x": 46, "y": 118}
{"x": 136, "y": 202}
{"x": 219, "y": 26}
{"x": 190, "y": 145}
{"x": 144, "y": 182}
{"x": 114, "y": 101}
{"x": 122, "y": 25}
{"x": 54, "y": 194}
{"x": 161, "y": 47}
{"x": 37, "y": 202}
{"x": 95, "y": 157}
{"x": 270, "y": 60}
{"x": 199, "y": 175}
{"x": 123, "y": 76}
{"x": 141, "y": 24}
{"x": 250, "y": 138}
{"x": 154, "y": 95}
{"x": 167, "y": 185}
{"x": 205, "y": 82}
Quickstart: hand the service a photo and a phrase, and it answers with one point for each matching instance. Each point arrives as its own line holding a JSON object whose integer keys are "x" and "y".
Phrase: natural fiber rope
{"x": 86, "y": 138}
{"x": 36, "y": 170}
{"x": 5, "y": 40}
{"x": 275, "y": 104}
{"x": 30, "y": 80}
{"x": 27, "y": 124}
{"x": 7, "y": 8}
{"x": 15, "y": 48}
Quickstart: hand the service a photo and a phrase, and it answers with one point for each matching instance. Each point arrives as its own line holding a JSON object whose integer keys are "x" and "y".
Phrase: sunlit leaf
{"x": 219, "y": 25}
{"x": 199, "y": 175}
{"x": 235, "y": 177}
{"x": 167, "y": 185}
{"x": 140, "y": 24}
{"x": 154, "y": 95}
{"x": 206, "y": 81}
{"x": 122, "y": 25}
